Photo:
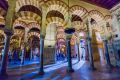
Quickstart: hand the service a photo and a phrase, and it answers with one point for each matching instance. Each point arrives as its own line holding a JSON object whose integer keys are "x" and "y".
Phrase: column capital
{"x": 105, "y": 40}
{"x": 69, "y": 36}
{"x": 42, "y": 36}
{"x": 89, "y": 38}
{"x": 8, "y": 32}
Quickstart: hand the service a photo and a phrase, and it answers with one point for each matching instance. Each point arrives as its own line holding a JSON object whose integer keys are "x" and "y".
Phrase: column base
{"x": 92, "y": 68}
{"x": 70, "y": 70}
{"x": 118, "y": 64}
{"x": 41, "y": 73}
{"x": 110, "y": 66}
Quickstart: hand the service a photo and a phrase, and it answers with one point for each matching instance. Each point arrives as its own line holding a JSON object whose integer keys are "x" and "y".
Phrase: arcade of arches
{"x": 40, "y": 29}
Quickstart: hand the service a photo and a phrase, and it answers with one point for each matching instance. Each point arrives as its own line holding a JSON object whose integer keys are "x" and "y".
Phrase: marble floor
{"x": 58, "y": 72}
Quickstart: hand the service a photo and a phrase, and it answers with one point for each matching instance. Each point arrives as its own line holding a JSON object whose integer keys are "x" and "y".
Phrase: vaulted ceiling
{"x": 108, "y": 4}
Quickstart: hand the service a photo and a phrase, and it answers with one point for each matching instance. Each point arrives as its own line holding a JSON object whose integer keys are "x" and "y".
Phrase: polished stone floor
{"x": 58, "y": 72}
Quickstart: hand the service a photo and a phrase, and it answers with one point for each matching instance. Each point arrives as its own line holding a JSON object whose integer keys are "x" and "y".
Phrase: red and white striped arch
{"x": 79, "y": 11}
{"x": 28, "y": 17}
{"x": 19, "y": 23}
{"x": 13, "y": 40}
{"x": 57, "y": 5}
{"x": 96, "y": 15}
{"x": 2, "y": 33}
{"x": 78, "y": 25}
{"x": 108, "y": 18}
{"x": 33, "y": 34}
{"x": 21, "y": 3}
{"x": 57, "y": 20}
{"x": 18, "y": 32}
{"x": 2, "y": 14}
{"x": 33, "y": 25}
{"x": 99, "y": 18}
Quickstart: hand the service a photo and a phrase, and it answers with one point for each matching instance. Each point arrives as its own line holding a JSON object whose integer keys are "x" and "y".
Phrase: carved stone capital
{"x": 8, "y": 32}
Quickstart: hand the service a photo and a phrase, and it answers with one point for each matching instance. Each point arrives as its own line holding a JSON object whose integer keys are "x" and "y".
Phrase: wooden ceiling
{"x": 108, "y": 4}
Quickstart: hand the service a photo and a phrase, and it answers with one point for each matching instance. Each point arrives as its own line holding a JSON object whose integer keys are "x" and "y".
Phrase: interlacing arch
{"x": 57, "y": 20}
{"x": 78, "y": 25}
{"x": 57, "y": 5}
{"x": 21, "y": 3}
{"x": 98, "y": 28}
{"x": 96, "y": 15}
{"x": 19, "y": 23}
{"x": 2, "y": 33}
{"x": 27, "y": 15}
{"x": 15, "y": 37}
{"x": 2, "y": 36}
{"x": 1, "y": 40}
{"x": 78, "y": 15}
{"x": 79, "y": 11}
{"x": 108, "y": 19}
{"x": 33, "y": 34}
{"x": 98, "y": 18}
{"x": 13, "y": 40}
{"x": 18, "y": 32}
{"x": 2, "y": 14}
{"x": 33, "y": 25}
{"x": 60, "y": 36}
{"x": 2, "y": 20}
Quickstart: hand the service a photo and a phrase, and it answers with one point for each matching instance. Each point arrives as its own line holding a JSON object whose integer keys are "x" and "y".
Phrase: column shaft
{"x": 70, "y": 69}
{"x": 78, "y": 52}
{"x": 90, "y": 54}
{"x": 41, "y": 71}
{"x": 5, "y": 55}
{"x": 107, "y": 53}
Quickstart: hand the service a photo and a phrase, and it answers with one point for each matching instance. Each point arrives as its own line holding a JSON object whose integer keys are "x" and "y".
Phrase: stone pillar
{"x": 3, "y": 71}
{"x": 8, "y": 32}
{"x": 31, "y": 50}
{"x": 25, "y": 45}
{"x": 107, "y": 53}
{"x": 69, "y": 31}
{"x": 89, "y": 44}
{"x": 31, "y": 53}
{"x": 41, "y": 70}
{"x": 69, "y": 69}
{"x": 90, "y": 53}
{"x": 22, "y": 55}
{"x": 78, "y": 51}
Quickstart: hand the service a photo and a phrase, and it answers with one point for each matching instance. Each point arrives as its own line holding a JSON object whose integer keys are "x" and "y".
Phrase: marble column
{"x": 22, "y": 56}
{"x": 78, "y": 51}
{"x": 31, "y": 53}
{"x": 41, "y": 70}
{"x": 89, "y": 44}
{"x": 3, "y": 69}
{"x": 69, "y": 68}
{"x": 107, "y": 53}
{"x": 8, "y": 31}
{"x": 23, "y": 53}
{"x": 25, "y": 44}
{"x": 31, "y": 50}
